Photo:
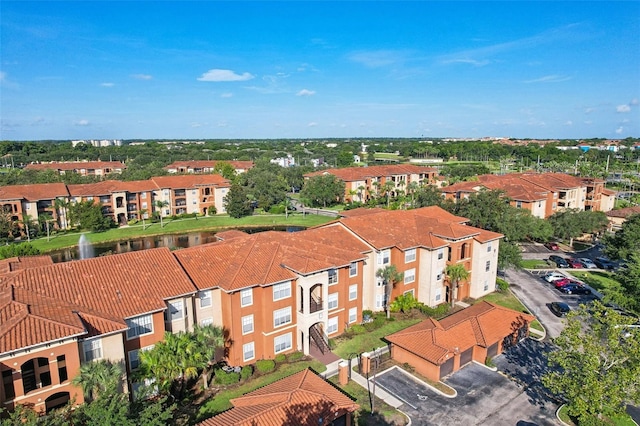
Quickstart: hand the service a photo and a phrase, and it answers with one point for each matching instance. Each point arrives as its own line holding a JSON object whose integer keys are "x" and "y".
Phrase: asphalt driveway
{"x": 484, "y": 397}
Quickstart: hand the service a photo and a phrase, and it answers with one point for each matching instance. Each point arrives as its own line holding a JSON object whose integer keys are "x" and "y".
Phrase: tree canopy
{"x": 323, "y": 190}
{"x": 625, "y": 241}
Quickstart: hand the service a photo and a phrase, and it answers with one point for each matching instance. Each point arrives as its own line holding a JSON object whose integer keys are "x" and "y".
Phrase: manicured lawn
{"x": 384, "y": 414}
{"x": 624, "y": 420}
{"x": 534, "y": 264}
{"x": 220, "y": 401}
{"x": 599, "y": 280}
{"x": 368, "y": 341}
{"x": 508, "y": 300}
{"x": 178, "y": 226}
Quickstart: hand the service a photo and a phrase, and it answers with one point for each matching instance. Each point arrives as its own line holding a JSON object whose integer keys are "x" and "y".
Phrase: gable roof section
{"x": 33, "y": 192}
{"x": 303, "y": 399}
{"x": 350, "y": 174}
{"x": 481, "y": 324}
{"x": 190, "y": 181}
{"x": 237, "y": 164}
{"x": 76, "y": 165}
{"x": 624, "y": 213}
{"x": 121, "y": 285}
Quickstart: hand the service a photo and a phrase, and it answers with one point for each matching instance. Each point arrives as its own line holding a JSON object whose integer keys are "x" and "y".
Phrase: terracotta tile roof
{"x": 108, "y": 187}
{"x": 201, "y": 164}
{"x": 350, "y": 174}
{"x": 77, "y": 165}
{"x": 23, "y": 262}
{"x": 361, "y": 211}
{"x": 482, "y": 324}
{"x": 33, "y": 192}
{"x": 471, "y": 186}
{"x": 625, "y": 212}
{"x": 190, "y": 181}
{"x": 230, "y": 234}
{"x": 261, "y": 259}
{"x": 424, "y": 227}
{"x": 303, "y": 399}
{"x": 609, "y": 192}
{"x": 120, "y": 285}
{"x": 485, "y": 236}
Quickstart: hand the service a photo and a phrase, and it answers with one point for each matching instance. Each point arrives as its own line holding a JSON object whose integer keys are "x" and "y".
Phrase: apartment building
{"x": 32, "y": 200}
{"x": 83, "y": 168}
{"x": 543, "y": 194}
{"x": 272, "y": 292}
{"x": 364, "y": 183}
{"x": 206, "y": 166}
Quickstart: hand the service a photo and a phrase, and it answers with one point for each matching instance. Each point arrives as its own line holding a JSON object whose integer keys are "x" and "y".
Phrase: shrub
{"x": 280, "y": 358}
{"x": 223, "y": 378}
{"x": 212, "y": 210}
{"x": 332, "y": 344}
{"x": 265, "y": 365}
{"x": 502, "y": 285}
{"x": 489, "y": 362}
{"x": 276, "y": 210}
{"x": 367, "y": 313}
{"x": 357, "y": 329}
{"x": 296, "y": 356}
{"x": 377, "y": 322}
{"x": 438, "y": 312}
{"x": 246, "y": 372}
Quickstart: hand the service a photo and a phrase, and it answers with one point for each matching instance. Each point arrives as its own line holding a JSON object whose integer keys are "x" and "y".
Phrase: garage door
{"x": 446, "y": 368}
{"x": 466, "y": 357}
{"x": 492, "y": 350}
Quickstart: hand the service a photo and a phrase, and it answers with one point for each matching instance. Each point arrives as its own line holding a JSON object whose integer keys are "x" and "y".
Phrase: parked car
{"x": 563, "y": 282}
{"x": 574, "y": 263}
{"x": 574, "y": 288}
{"x": 553, "y": 276}
{"x": 559, "y": 309}
{"x": 552, "y": 246}
{"x": 559, "y": 261}
{"x": 604, "y": 263}
{"x": 587, "y": 263}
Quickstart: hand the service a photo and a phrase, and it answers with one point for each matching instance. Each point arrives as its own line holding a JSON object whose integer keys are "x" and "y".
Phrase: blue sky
{"x": 315, "y": 69}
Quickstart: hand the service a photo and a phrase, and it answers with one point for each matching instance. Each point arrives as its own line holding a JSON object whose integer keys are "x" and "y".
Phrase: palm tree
{"x": 98, "y": 377}
{"x": 388, "y": 186}
{"x": 62, "y": 208}
{"x": 411, "y": 189}
{"x": 361, "y": 193}
{"x": 160, "y": 204}
{"x": 141, "y": 214}
{"x": 455, "y": 273}
{"x": 390, "y": 276}
{"x": 46, "y": 218}
{"x": 26, "y": 220}
{"x": 210, "y": 338}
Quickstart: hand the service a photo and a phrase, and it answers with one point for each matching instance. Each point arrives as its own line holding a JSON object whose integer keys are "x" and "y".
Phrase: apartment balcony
{"x": 180, "y": 193}
{"x": 181, "y": 203}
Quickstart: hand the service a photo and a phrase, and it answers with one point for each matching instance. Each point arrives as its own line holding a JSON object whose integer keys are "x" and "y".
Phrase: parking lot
{"x": 484, "y": 397}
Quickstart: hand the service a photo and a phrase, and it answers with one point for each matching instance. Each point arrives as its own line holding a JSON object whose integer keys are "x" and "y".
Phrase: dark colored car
{"x": 559, "y": 261}
{"x": 573, "y": 288}
{"x": 604, "y": 263}
{"x": 559, "y": 309}
{"x": 574, "y": 263}
{"x": 552, "y": 246}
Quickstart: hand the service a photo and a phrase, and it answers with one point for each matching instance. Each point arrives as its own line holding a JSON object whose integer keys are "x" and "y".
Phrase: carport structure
{"x": 437, "y": 348}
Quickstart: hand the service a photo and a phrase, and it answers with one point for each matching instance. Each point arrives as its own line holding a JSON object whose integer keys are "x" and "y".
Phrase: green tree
{"x": 597, "y": 364}
{"x": 625, "y": 241}
{"x": 323, "y": 190}
{"x": 225, "y": 170}
{"x": 8, "y": 226}
{"x": 209, "y": 338}
{"x": 265, "y": 184}
{"x": 629, "y": 278}
{"x": 390, "y": 276}
{"x": 45, "y": 220}
{"x": 16, "y": 250}
{"x": 236, "y": 202}
{"x": 88, "y": 215}
{"x": 404, "y": 303}
{"x": 573, "y": 223}
{"x": 161, "y": 204}
{"x": 141, "y": 214}
{"x": 509, "y": 255}
{"x": 455, "y": 274}
{"x": 426, "y": 196}
{"x": 98, "y": 377}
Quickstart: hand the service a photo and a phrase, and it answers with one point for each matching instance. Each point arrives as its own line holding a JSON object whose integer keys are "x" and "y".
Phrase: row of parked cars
{"x": 565, "y": 285}
{"x": 582, "y": 262}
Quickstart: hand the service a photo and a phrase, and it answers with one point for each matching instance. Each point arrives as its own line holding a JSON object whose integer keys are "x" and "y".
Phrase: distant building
{"x": 83, "y": 168}
{"x": 287, "y": 161}
{"x": 206, "y": 166}
{"x": 97, "y": 143}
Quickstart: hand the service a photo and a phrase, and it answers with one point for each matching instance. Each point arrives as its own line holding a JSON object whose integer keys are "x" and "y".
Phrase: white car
{"x": 553, "y": 276}
{"x": 588, "y": 263}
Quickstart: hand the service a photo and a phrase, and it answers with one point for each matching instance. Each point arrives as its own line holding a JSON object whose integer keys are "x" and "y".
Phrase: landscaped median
{"x": 177, "y": 226}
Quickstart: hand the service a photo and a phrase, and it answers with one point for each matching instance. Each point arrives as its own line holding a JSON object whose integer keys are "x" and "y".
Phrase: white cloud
{"x": 623, "y": 108}
{"x": 619, "y": 130}
{"x": 81, "y": 123}
{"x": 568, "y": 123}
{"x": 194, "y": 125}
{"x": 554, "y": 78}
{"x": 378, "y": 58}
{"x": 226, "y": 95}
{"x": 469, "y": 61}
{"x": 312, "y": 124}
{"x": 224, "y": 75}
{"x": 634, "y": 101}
{"x": 142, "y": 76}
{"x": 305, "y": 92}
{"x": 589, "y": 110}
{"x": 107, "y": 84}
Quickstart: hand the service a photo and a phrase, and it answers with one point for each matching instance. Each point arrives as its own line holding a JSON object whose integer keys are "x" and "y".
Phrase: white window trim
{"x": 242, "y": 293}
{"x": 355, "y": 266}
{"x": 335, "y": 271}
{"x": 136, "y": 318}
{"x": 406, "y": 255}
{"x": 330, "y": 299}
{"x": 206, "y": 321}
{"x": 354, "y": 312}
{"x": 277, "y": 288}
{"x": 352, "y": 286}
{"x": 244, "y": 351}
{"x": 252, "y": 324}
{"x": 181, "y": 311}
{"x": 287, "y": 313}
{"x": 288, "y": 337}
{"x": 86, "y": 349}
{"x": 208, "y": 297}
{"x": 408, "y": 274}
{"x": 329, "y": 324}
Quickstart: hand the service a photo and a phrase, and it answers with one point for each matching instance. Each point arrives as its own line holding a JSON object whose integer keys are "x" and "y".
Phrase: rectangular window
{"x": 409, "y": 292}
{"x": 353, "y": 292}
{"x": 380, "y": 300}
{"x": 248, "y": 351}
{"x": 205, "y": 322}
{"x": 92, "y": 349}
{"x": 282, "y": 343}
{"x": 438, "y": 294}
{"x": 281, "y": 291}
{"x": 7, "y": 381}
{"x": 489, "y": 248}
{"x": 440, "y": 254}
{"x": 134, "y": 359}
{"x": 439, "y": 276}
{"x": 144, "y": 206}
{"x": 410, "y": 256}
{"x": 282, "y": 316}
{"x": 205, "y": 298}
{"x": 333, "y": 276}
{"x": 384, "y": 257}
{"x": 409, "y": 276}
{"x": 332, "y": 301}
{"x": 518, "y": 204}
{"x": 143, "y": 195}
{"x": 246, "y": 297}
{"x": 176, "y": 310}
{"x": 486, "y": 285}
{"x": 332, "y": 325}
{"x": 62, "y": 368}
{"x": 139, "y": 326}
{"x": 353, "y": 315}
{"x": 487, "y": 266}
{"x": 353, "y": 269}
{"x": 247, "y": 324}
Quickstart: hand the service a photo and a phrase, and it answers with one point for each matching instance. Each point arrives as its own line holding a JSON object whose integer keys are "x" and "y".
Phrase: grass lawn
{"x": 384, "y": 414}
{"x": 599, "y": 280}
{"x": 220, "y": 401}
{"x": 59, "y": 241}
{"x": 368, "y": 341}
{"x": 623, "y": 420}
{"x": 508, "y": 300}
{"x": 534, "y": 264}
